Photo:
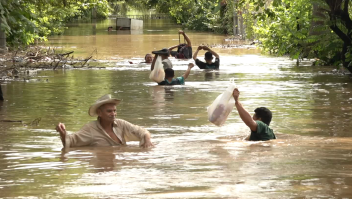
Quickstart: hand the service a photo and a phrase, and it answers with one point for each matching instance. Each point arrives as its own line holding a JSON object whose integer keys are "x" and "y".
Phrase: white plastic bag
{"x": 158, "y": 73}
{"x": 222, "y": 106}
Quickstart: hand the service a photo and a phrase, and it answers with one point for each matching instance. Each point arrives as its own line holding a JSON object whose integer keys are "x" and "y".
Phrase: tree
{"x": 25, "y": 21}
{"x": 204, "y": 15}
{"x": 340, "y": 22}
{"x": 305, "y": 28}
{"x": 2, "y": 39}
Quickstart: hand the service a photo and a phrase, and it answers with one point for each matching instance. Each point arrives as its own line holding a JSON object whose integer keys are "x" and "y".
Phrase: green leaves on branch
{"x": 204, "y": 15}
{"x": 30, "y": 20}
{"x": 299, "y": 28}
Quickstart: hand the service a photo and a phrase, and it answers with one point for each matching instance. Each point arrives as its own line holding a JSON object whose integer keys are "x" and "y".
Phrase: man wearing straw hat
{"x": 107, "y": 130}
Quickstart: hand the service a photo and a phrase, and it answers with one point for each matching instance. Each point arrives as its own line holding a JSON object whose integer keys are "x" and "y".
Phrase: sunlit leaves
{"x": 288, "y": 27}
{"x": 25, "y": 21}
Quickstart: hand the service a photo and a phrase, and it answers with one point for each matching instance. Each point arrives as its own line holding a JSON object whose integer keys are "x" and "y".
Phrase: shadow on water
{"x": 192, "y": 158}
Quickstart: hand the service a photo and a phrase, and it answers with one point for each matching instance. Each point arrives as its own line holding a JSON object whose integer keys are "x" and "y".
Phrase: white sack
{"x": 222, "y": 106}
{"x": 158, "y": 73}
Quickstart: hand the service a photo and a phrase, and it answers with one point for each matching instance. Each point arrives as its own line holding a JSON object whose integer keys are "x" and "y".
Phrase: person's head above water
{"x": 208, "y": 56}
{"x": 148, "y": 58}
{"x": 263, "y": 114}
{"x": 169, "y": 73}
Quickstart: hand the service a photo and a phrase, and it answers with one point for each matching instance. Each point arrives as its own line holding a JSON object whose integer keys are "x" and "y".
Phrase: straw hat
{"x": 106, "y": 99}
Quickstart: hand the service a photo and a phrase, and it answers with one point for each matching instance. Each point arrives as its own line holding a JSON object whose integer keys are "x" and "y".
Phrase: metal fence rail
{"x": 151, "y": 16}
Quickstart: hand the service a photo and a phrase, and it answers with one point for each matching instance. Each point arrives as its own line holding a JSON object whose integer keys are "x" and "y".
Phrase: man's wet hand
{"x": 236, "y": 94}
{"x": 62, "y": 130}
{"x": 148, "y": 144}
{"x": 190, "y": 65}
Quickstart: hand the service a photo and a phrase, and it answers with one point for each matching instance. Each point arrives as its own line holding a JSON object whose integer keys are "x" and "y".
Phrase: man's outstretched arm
{"x": 147, "y": 141}
{"x": 245, "y": 116}
{"x": 190, "y": 66}
{"x": 186, "y": 37}
{"x": 62, "y": 130}
{"x": 173, "y": 47}
{"x": 153, "y": 63}
{"x": 196, "y": 53}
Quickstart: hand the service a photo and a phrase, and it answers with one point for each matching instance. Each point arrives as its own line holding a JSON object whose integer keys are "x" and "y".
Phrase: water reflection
{"x": 162, "y": 93}
{"x": 103, "y": 159}
{"x": 210, "y": 75}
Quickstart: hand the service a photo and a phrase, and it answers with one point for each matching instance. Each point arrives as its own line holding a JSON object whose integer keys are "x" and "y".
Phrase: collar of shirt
{"x": 115, "y": 127}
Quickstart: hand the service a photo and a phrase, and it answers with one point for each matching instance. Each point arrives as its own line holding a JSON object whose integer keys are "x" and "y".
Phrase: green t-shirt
{"x": 175, "y": 81}
{"x": 263, "y": 132}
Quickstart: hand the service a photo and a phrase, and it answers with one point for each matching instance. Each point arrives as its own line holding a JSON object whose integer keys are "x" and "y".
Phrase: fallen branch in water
{"x": 86, "y": 60}
{"x": 11, "y": 121}
{"x": 66, "y": 54}
{"x": 38, "y": 58}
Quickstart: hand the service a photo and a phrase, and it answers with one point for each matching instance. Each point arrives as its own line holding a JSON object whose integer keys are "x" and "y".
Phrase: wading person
{"x": 148, "y": 59}
{"x": 184, "y": 51}
{"x": 208, "y": 57}
{"x": 164, "y": 53}
{"x": 170, "y": 74}
{"x": 107, "y": 130}
{"x": 258, "y": 124}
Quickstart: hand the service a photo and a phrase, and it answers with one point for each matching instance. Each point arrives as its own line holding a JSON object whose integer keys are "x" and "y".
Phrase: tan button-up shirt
{"x": 93, "y": 134}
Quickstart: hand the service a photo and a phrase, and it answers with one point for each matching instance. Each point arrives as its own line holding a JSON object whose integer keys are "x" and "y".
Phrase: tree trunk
{"x": 235, "y": 19}
{"x": 339, "y": 14}
{"x": 94, "y": 13}
{"x": 2, "y": 40}
{"x": 242, "y": 27}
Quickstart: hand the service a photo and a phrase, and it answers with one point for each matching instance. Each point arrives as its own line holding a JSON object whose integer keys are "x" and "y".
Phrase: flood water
{"x": 192, "y": 158}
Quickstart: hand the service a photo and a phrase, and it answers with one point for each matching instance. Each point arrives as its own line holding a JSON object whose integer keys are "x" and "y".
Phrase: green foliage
{"x": 30, "y": 20}
{"x": 249, "y": 21}
{"x": 289, "y": 27}
{"x": 203, "y": 15}
{"x": 284, "y": 28}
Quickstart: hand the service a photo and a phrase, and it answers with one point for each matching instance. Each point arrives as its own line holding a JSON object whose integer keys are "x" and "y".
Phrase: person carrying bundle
{"x": 184, "y": 50}
{"x": 170, "y": 74}
{"x": 259, "y": 123}
{"x": 164, "y": 54}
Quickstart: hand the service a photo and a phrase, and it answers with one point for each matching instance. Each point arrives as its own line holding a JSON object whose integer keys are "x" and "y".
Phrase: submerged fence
{"x": 150, "y": 16}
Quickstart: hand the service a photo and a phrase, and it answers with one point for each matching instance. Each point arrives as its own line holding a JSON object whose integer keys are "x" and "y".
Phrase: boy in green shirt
{"x": 170, "y": 74}
{"x": 259, "y": 123}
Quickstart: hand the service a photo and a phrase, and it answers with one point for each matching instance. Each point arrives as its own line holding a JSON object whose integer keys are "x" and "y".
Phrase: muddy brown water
{"x": 192, "y": 158}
